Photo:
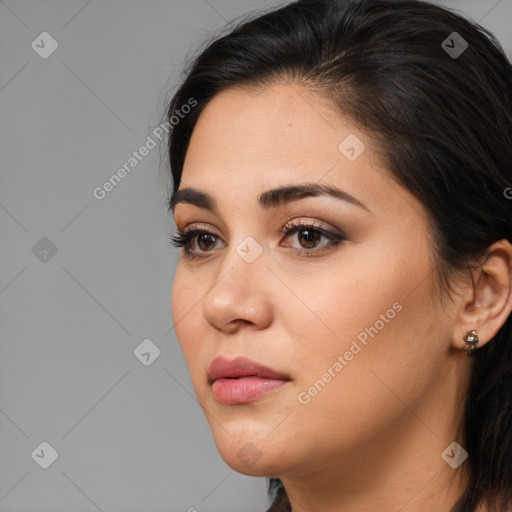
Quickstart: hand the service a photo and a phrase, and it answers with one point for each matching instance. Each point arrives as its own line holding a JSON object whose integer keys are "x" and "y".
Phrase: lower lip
{"x": 244, "y": 389}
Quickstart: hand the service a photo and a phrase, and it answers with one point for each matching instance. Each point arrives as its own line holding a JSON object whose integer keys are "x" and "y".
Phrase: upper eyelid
{"x": 289, "y": 225}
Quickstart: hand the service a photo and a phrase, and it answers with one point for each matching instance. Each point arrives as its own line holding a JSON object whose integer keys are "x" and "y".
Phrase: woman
{"x": 341, "y": 190}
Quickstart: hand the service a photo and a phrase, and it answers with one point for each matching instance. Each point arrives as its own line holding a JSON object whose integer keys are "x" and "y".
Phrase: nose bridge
{"x": 237, "y": 292}
{"x": 243, "y": 264}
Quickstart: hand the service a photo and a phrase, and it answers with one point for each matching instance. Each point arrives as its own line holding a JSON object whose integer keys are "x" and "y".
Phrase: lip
{"x": 241, "y": 380}
{"x": 221, "y": 367}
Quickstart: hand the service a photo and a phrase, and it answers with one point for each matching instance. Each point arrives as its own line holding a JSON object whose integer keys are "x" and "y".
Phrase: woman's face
{"x": 351, "y": 327}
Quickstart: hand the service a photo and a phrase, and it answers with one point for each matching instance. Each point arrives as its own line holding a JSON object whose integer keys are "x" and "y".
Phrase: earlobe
{"x": 488, "y": 303}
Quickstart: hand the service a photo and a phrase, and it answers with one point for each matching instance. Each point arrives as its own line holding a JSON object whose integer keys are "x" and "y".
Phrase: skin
{"x": 372, "y": 438}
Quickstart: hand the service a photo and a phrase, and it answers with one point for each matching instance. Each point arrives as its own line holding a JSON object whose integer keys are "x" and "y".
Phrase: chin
{"x": 248, "y": 453}
{"x": 250, "y": 460}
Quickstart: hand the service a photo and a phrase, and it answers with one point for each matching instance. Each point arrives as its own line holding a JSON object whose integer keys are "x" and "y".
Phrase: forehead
{"x": 281, "y": 131}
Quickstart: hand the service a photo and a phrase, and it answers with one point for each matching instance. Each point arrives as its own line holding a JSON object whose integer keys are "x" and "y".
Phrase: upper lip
{"x": 241, "y": 367}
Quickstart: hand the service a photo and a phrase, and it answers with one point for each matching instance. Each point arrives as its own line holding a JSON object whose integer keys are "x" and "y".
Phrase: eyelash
{"x": 183, "y": 239}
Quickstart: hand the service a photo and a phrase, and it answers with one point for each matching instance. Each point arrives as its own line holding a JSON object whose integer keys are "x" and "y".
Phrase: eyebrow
{"x": 267, "y": 200}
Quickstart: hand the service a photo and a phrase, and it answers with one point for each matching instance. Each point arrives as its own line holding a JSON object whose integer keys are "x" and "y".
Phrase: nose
{"x": 239, "y": 295}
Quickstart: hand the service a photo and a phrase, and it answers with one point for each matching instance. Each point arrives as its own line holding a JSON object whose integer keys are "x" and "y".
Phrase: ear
{"x": 487, "y": 303}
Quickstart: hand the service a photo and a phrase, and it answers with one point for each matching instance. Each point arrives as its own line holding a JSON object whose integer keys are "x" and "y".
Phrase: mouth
{"x": 241, "y": 380}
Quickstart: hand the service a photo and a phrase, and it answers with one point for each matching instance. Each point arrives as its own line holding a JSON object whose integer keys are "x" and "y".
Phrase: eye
{"x": 309, "y": 236}
{"x": 203, "y": 238}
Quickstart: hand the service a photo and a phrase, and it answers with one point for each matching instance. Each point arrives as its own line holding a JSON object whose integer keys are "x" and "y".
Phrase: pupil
{"x": 312, "y": 236}
{"x": 202, "y": 238}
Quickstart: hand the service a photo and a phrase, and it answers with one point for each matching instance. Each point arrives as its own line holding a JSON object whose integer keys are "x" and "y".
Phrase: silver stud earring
{"x": 471, "y": 340}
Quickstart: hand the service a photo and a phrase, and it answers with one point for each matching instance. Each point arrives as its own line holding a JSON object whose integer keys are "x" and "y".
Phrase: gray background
{"x": 129, "y": 437}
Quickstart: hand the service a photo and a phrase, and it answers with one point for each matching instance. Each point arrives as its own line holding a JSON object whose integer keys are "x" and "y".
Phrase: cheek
{"x": 378, "y": 318}
{"x": 382, "y": 290}
{"x": 339, "y": 301}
